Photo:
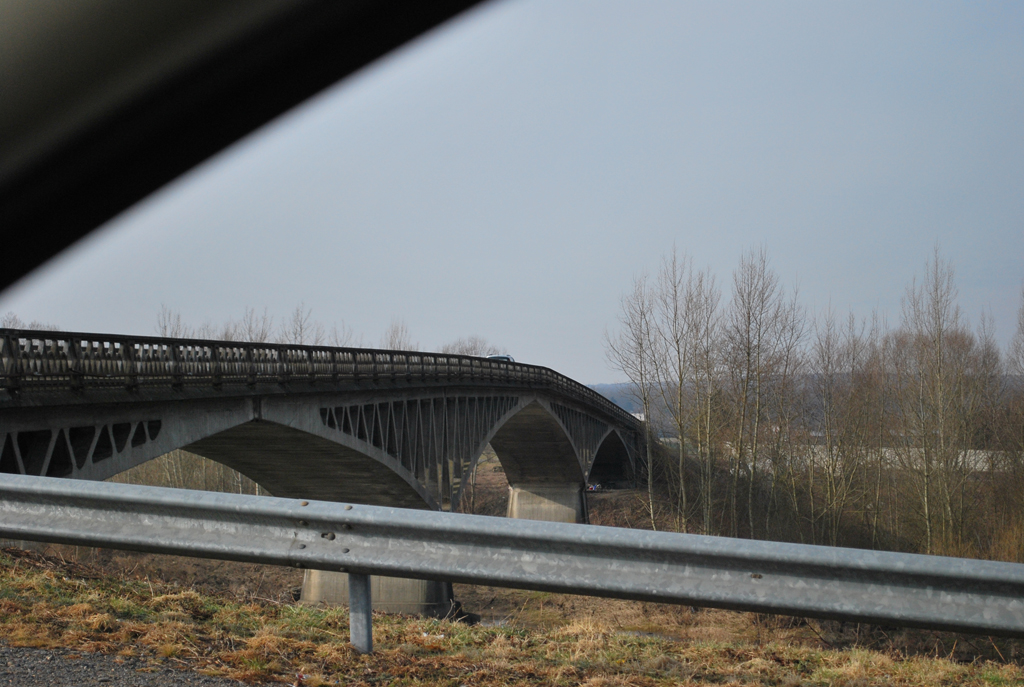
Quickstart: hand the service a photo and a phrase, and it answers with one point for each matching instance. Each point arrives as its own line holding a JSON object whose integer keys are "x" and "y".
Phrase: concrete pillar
{"x": 549, "y": 502}
{"x": 389, "y": 594}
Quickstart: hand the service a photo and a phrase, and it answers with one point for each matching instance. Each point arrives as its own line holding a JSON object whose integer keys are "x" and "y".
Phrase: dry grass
{"x": 556, "y": 640}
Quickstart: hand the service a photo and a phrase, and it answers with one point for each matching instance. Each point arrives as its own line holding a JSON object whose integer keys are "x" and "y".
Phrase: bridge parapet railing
{"x": 47, "y": 361}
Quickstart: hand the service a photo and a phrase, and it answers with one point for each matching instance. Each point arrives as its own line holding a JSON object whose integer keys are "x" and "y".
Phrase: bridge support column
{"x": 549, "y": 502}
{"x": 389, "y": 594}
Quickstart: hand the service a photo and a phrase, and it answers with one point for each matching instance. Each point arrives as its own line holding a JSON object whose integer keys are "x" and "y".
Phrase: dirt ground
{"x": 244, "y": 581}
{"x": 544, "y": 611}
{"x": 55, "y": 611}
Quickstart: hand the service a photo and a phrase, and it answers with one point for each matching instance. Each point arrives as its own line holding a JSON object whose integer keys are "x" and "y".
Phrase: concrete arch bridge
{"x": 394, "y": 428}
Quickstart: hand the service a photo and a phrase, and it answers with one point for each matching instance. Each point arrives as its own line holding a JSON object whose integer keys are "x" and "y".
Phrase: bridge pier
{"x": 548, "y": 502}
{"x": 389, "y": 594}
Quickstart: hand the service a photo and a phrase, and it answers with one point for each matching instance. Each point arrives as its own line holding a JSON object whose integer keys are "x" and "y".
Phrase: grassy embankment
{"x": 547, "y": 639}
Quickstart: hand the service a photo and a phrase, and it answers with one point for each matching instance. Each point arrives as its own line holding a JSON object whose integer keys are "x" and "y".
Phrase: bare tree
{"x": 752, "y": 338}
{"x": 12, "y": 321}
{"x": 300, "y": 328}
{"x": 342, "y": 336}
{"x": 874, "y": 390}
{"x": 228, "y": 331}
{"x": 632, "y": 352}
{"x": 1016, "y": 353}
{"x": 836, "y": 360}
{"x": 255, "y": 327}
{"x": 170, "y": 324}
{"x": 471, "y": 345}
{"x": 671, "y": 364}
{"x": 397, "y": 338}
{"x": 784, "y": 399}
{"x": 936, "y": 390}
{"x": 685, "y": 351}
{"x": 1008, "y": 508}
{"x": 703, "y": 328}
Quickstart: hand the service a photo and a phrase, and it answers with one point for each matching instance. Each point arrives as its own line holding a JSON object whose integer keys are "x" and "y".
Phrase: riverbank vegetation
{"x": 771, "y": 422}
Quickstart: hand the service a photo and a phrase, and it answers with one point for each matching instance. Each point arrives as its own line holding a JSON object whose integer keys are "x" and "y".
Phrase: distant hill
{"x": 619, "y": 394}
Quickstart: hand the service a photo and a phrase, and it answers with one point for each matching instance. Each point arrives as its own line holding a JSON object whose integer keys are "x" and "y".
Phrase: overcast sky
{"x": 507, "y": 175}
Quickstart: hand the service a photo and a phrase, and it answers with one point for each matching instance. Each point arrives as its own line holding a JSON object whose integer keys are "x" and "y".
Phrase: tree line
{"x": 768, "y": 422}
{"x": 299, "y": 327}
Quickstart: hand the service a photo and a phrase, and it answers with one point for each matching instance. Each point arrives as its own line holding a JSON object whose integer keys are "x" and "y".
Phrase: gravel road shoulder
{"x": 26, "y": 667}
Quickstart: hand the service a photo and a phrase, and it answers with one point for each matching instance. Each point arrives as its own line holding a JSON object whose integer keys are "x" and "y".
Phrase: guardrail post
{"x": 360, "y": 613}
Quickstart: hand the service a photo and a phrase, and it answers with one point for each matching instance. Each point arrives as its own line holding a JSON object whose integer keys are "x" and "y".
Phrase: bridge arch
{"x": 91, "y": 405}
{"x": 412, "y": 450}
{"x": 296, "y": 463}
{"x": 613, "y": 463}
{"x": 533, "y": 447}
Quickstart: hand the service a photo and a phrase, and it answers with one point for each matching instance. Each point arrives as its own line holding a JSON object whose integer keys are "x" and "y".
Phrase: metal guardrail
{"x": 47, "y": 361}
{"x": 846, "y": 584}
